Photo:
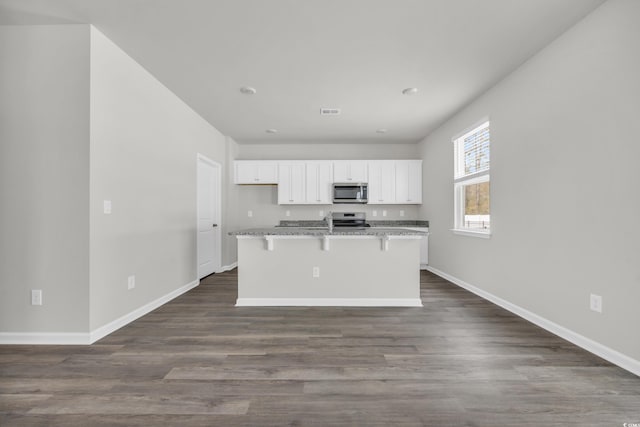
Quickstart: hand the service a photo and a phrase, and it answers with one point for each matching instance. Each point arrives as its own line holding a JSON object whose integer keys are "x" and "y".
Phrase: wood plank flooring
{"x": 200, "y": 361}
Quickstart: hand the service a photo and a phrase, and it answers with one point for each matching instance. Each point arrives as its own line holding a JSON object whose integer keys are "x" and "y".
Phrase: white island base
{"x": 351, "y": 271}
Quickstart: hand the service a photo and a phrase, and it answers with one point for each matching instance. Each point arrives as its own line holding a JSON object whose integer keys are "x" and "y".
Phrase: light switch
{"x": 36, "y": 297}
{"x": 106, "y": 204}
{"x": 401, "y": 213}
{"x": 249, "y": 214}
{"x": 384, "y": 213}
{"x": 287, "y": 213}
{"x": 374, "y": 213}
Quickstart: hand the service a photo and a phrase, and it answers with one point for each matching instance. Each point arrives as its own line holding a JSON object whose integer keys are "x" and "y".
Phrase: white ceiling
{"x": 301, "y": 55}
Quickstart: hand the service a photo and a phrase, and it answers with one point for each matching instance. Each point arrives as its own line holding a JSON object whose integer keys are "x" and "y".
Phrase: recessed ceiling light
{"x": 381, "y": 131}
{"x": 410, "y": 91}
{"x": 272, "y": 131}
{"x": 248, "y": 90}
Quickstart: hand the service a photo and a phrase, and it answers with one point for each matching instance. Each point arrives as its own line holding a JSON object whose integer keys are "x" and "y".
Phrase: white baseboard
{"x": 227, "y": 267}
{"x": 48, "y": 338}
{"x": 329, "y": 302}
{"x": 613, "y": 356}
{"x": 66, "y": 338}
{"x": 113, "y": 326}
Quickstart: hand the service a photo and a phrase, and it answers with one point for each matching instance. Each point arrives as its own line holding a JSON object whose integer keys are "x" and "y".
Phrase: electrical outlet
{"x": 131, "y": 282}
{"x": 384, "y": 213}
{"x": 249, "y": 214}
{"x": 106, "y": 206}
{"x": 321, "y": 213}
{"x": 287, "y": 213}
{"x": 595, "y": 303}
{"x": 36, "y": 297}
{"x": 374, "y": 213}
{"x": 316, "y": 272}
{"x": 401, "y": 213}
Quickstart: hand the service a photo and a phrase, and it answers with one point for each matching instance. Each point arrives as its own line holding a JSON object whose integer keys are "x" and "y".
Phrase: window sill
{"x": 480, "y": 234}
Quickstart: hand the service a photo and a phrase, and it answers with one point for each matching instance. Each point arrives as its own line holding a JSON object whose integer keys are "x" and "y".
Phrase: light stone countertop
{"x": 321, "y": 232}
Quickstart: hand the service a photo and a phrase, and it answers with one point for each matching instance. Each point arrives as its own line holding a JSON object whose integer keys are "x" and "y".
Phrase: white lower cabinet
{"x": 291, "y": 183}
{"x": 424, "y": 245}
{"x": 318, "y": 183}
{"x": 424, "y": 248}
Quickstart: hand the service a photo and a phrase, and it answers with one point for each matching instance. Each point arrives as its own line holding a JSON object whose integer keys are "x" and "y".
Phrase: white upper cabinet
{"x": 255, "y": 172}
{"x": 408, "y": 181}
{"x": 304, "y": 182}
{"x": 382, "y": 182}
{"x": 318, "y": 182}
{"x": 350, "y": 171}
{"x": 291, "y": 183}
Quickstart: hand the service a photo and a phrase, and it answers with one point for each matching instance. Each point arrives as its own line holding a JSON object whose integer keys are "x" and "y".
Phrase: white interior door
{"x": 209, "y": 227}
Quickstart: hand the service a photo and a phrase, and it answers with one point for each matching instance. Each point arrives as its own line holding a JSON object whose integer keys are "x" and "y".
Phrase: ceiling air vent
{"x": 329, "y": 111}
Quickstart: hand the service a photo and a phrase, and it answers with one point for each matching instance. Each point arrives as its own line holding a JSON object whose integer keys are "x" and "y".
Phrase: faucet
{"x": 329, "y": 220}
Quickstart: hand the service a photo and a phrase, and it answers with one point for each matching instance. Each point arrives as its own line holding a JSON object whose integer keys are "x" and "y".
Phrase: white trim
{"x": 45, "y": 338}
{"x": 473, "y": 178}
{"x": 466, "y": 131}
{"x": 71, "y": 338}
{"x": 228, "y": 267}
{"x": 613, "y": 356}
{"x": 481, "y": 234}
{"x": 329, "y": 302}
{"x": 113, "y": 326}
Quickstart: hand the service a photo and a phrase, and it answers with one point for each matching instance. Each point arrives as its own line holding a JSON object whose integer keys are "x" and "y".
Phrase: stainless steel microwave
{"x": 350, "y": 193}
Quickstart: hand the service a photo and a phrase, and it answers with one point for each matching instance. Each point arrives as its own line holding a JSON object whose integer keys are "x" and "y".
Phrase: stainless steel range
{"x": 349, "y": 220}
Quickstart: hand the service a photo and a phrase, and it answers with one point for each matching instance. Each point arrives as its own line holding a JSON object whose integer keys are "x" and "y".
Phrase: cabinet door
{"x": 359, "y": 171}
{"x": 382, "y": 182}
{"x": 341, "y": 171}
{"x": 409, "y": 181}
{"x": 350, "y": 171}
{"x": 415, "y": 181}
{"x": 291, "y": 183}
{"x": 267, "y": 172}
{"x": 255, "y": 172}
{"x": 318, "y": 183}
{"x": 244, "y": 173}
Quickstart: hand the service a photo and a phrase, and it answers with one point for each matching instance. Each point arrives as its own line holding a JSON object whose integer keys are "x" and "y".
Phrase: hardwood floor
{"x": 200, "y": 361}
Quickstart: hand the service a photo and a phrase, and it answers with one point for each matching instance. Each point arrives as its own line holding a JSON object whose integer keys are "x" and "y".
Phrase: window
{"x": 471, "y": 181}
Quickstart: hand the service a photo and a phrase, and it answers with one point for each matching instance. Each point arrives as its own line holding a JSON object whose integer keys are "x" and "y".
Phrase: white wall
{"x": 232, "y": 219}
{"x": 144, "y": 142}
{"x": 327, "y": 151}
{"x": 44, "y": 177}
{"x": 564, "y": 183}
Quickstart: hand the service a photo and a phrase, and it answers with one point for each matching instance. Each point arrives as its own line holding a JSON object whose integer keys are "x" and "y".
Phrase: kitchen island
{"x": 297, "y": 266}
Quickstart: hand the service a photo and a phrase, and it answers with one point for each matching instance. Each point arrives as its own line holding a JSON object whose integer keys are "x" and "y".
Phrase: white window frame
{"x": 460, "y": 181}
